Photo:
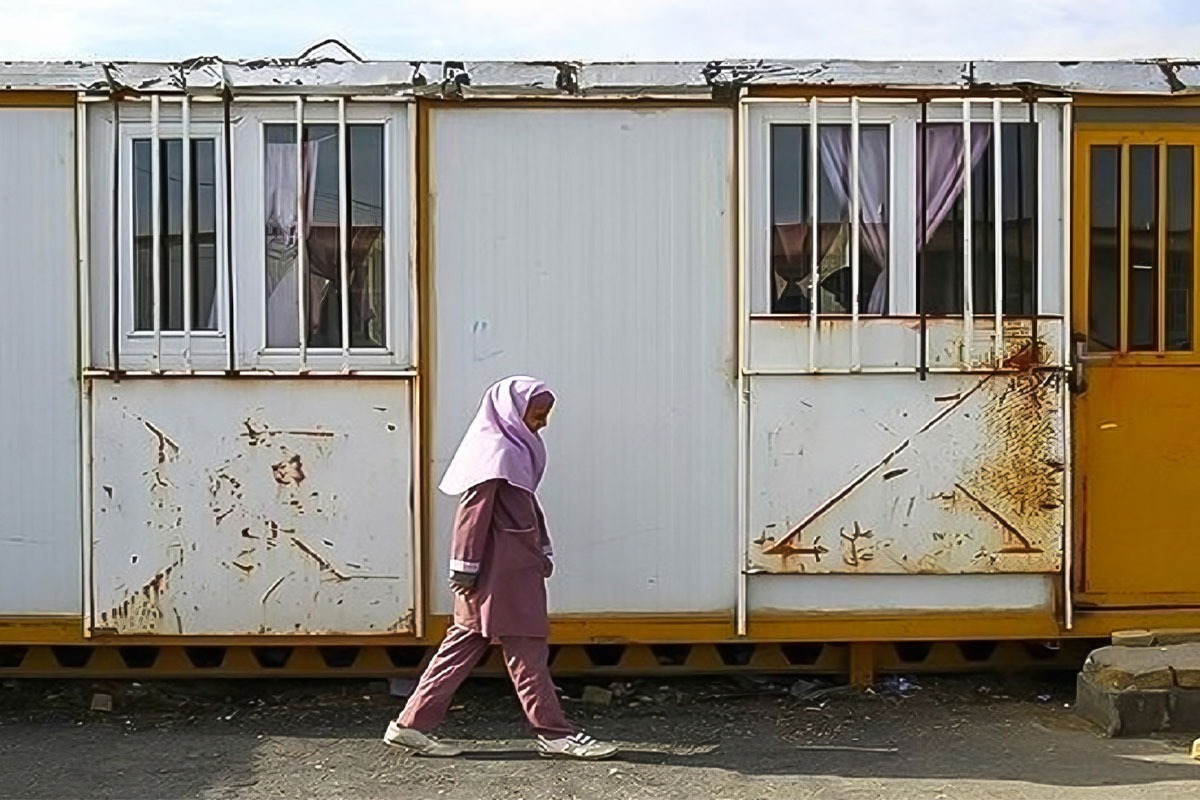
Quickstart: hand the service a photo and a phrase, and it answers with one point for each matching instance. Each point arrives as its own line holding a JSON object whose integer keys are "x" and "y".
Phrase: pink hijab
{"x": 499, "y": 444}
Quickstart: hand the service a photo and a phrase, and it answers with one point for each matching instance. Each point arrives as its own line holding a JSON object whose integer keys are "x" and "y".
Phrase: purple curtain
{"x": 873, "y": 191}
{"x": 945, "y": 178}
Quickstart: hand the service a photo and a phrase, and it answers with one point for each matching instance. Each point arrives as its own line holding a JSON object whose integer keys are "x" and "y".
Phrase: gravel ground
{"x": 956, "y": 738}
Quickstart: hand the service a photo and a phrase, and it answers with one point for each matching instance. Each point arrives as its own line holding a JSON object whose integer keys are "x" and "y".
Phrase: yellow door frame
{"x": 1087, "y": 136}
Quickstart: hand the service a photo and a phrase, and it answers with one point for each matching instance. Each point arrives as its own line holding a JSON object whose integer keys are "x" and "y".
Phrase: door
{"x": 1137, "y": 412}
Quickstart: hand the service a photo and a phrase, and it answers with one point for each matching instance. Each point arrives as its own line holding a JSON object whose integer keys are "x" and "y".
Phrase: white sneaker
{"x": 579, "y": 745}
{"x": 399, "y": 736}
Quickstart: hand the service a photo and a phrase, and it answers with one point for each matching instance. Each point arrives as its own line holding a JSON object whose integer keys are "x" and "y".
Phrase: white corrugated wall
{"x": 40, "y": 539}
{"x": 594, "y": 248}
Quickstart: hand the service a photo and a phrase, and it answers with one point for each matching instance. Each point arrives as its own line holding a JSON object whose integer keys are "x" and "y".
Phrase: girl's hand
{"x": 462, "y": 584}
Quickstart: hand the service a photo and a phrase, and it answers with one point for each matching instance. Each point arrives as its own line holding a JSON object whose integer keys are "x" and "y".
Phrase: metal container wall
{"x": 594, "y": 248}
{"x": 252, "y": 506}
{"x": 40, "y": 532}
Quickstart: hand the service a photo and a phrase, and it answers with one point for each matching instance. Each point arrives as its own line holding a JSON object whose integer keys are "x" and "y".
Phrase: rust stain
{"x": 141, "y": 610}
{"x": 258, "y": 435}
{"x": 266, "y": 595}
{"x": 289, "y": 472}
{"x": 1018, "y": 542}
{"x": 854, "y": 553}
{"x": 322, "y": 562}
{"x": 167, "y": 448}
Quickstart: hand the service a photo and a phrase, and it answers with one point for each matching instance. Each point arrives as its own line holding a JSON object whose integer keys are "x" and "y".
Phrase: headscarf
{"x": 499, "y": 444}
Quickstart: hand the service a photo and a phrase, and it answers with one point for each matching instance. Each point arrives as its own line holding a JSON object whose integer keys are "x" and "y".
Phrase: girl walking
{"x": 500, "y": 559}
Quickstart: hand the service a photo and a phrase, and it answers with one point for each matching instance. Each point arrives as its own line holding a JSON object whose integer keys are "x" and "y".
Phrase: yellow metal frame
{"x": 1162, "y": 136}
{"x": 1123, "y": 136}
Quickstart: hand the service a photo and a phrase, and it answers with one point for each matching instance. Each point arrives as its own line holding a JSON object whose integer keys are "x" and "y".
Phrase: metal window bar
{"x": 855, "y": 236}
{"x": 968, "y": 237}
{"x": 998, "y": 225}
{"x": 227, "y": 128}
{"x": 344, "y": 229}
{"x": 187, "y": 232}
{"x": 1068, "y": 441}
{"x": 1038, "y": 239}
{"x": 115, "y": 254}
{"x": 156, "y": 226}
{"x": 301, "y": 248}
{"x": 814, "y": 234}
{"x": 923, "y": 370}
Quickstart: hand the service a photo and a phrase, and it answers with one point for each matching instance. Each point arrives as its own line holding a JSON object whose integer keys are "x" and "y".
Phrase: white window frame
{"x": 249, "y": 199}
{"x": 903, "y": 118}
{"x": 140, "y": 349}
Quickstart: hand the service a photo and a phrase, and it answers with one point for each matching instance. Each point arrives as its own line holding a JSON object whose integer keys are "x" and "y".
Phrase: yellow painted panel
{"x": 1138, "y": 479}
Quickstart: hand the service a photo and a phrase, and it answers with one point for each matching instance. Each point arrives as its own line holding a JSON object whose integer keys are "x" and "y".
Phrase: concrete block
{"x": 1129, "y": 712}
{"x": 1184, "y": 710}
{"x": 1119, "y": 668}
{"x": 1133, "y": 638}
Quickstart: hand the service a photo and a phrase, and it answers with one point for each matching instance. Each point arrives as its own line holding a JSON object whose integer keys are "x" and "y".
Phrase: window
{"x": 1140, "y": 254}
{"x": 942, "y": 216}
{"x": 792, "y": 217}
{"x": 318, "y": 228}
{"x": 170, "y": 216}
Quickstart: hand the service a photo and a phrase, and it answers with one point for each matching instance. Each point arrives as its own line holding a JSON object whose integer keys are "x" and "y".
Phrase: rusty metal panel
{"x": 40, "y": 538}
{"x": 593, "y": 248}
{"x": 267, "y": 507}
{"x": 889, "y": 474}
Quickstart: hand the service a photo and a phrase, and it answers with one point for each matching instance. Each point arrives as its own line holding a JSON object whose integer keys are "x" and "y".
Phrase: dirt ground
{"x": 955, "y": 738}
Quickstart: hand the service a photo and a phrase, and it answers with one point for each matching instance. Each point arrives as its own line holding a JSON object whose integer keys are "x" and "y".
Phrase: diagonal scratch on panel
{"x": 784, "y": 544}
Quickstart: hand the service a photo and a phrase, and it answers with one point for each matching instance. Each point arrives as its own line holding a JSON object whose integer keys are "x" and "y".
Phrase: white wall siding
{"x": 593, "y": 248}
{"x": 40, "y": 539}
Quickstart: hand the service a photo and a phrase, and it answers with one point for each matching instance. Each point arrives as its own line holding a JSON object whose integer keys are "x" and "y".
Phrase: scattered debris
{"x": 815, "y": 690}
{"x": 401, "y": 687}
{"x": 596, "y": 696}
{"x": 1196, "y": 749}
{"x": 897, "y": 685}
{"x": 102, "y": 702}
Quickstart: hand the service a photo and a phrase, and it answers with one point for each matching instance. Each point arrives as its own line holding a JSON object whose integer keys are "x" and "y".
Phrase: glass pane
{"x": 791, "y": 248}
{"x": 836, "y": 231}
{"x": 143, "y": 238}
{"x": 320, "y": 236}
{"x": 1104, "y": 252}
{"x": 204, "y": 213}
{"x": 204, "y": 235}
{"x": 1180, "y": 281}
{"x": 1020, "y": 178}
{"x": 1143, "y": 247}
{"x": 171, "y": 279}
{"x": 367, "y": 305}
{"x": 945, "y": 217}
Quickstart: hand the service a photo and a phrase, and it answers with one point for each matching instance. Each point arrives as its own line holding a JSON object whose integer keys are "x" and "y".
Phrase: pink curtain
{"x": 873, "y": 194}
{"x": 945, "y": 177}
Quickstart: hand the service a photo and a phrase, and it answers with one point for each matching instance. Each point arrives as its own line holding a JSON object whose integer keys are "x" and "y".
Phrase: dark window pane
{"x": 791, "y": 245}
{"x": 143, "y": 237}
{"x": 791, "y": 239}
{"x": 170, "y": 213}
{"x": 1180, "y": 280}
{"x": 320, "y": 236}
{"x": 942, "y": 223}
{"x": 322, "y": 190}
{"x": 367, "y": 305}
{"x": 1104, "y": 254}
{"x": 1020, "y": 216}
{"x": 1143, "y": 247}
